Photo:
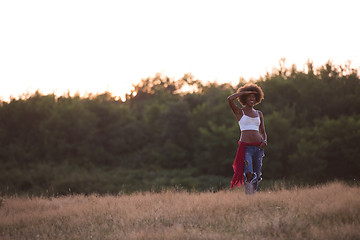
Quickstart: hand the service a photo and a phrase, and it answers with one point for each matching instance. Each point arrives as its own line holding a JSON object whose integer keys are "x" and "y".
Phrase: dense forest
{"x": 180, "y": 133}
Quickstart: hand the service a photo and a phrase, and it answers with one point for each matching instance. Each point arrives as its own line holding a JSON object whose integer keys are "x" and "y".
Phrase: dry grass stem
{"x": 329, "y": 211}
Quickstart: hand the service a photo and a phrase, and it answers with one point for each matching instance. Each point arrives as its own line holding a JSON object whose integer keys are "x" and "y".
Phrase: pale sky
{"x": 94, "y": 46}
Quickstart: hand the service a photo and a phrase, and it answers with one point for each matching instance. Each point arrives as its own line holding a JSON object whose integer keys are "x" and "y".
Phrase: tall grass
{"x": 330, "y": 211}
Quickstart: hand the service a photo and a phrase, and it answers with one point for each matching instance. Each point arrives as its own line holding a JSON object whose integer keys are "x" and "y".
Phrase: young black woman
{"x": 253, "y": 139}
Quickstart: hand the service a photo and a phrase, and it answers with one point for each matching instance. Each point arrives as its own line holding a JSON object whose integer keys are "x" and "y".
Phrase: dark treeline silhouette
{"x": 162, "y": 136}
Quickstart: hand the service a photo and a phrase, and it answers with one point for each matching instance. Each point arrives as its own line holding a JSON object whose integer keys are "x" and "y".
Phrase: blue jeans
{"x": 252, "y": 164}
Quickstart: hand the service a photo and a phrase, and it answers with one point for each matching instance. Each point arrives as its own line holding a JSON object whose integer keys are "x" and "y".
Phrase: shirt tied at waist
{"x": 238, "y": 165}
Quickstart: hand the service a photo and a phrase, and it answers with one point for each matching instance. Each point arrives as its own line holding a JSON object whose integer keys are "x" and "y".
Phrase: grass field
{"x": 330, "y": 211}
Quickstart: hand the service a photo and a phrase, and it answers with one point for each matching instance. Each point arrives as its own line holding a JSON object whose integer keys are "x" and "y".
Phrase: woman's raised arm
{"x": 236, "y": 110}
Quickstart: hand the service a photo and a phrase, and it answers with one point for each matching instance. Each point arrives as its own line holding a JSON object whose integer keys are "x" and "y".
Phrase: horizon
{"x": 85, "y": 94}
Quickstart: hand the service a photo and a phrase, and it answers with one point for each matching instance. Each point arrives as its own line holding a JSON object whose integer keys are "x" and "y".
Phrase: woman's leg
{"x": 257, "y": 164}
{"x": 250, "y": 175}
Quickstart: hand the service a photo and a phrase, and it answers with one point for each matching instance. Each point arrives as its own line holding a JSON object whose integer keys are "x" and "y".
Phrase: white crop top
{"x": 249, "y": 123}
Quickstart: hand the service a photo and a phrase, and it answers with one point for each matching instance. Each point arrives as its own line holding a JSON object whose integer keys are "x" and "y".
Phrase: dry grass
{"x": 330, "y": 211}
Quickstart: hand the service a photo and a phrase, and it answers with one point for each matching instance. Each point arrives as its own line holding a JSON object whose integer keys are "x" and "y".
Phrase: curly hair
{"x": 251, "y": 87}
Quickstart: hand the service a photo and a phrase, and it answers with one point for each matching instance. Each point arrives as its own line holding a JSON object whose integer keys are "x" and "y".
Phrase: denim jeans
{"x": 252, "y": 163}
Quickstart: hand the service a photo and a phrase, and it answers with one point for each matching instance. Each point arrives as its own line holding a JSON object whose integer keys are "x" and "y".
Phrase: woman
{"x": 248, "y": 160}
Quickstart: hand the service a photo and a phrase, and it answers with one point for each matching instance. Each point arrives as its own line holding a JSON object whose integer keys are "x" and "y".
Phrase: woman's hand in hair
{"x": 249, "y": 92}
{"x": 238, "y": 94}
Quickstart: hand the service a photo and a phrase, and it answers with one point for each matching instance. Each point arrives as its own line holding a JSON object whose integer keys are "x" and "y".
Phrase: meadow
{"x": 328, "y": 211}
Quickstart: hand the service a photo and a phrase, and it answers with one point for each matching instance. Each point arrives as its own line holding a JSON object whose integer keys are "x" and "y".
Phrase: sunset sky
{"x": 96, "y": 46}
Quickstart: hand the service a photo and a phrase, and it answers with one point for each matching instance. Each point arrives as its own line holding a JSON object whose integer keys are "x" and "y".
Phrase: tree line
{"x": 163, "y": 136}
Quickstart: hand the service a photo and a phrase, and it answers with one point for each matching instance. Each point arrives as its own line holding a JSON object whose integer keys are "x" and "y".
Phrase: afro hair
{"x": 251, "y": 87}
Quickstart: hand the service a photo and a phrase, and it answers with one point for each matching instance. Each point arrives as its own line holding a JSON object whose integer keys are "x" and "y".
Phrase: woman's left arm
{"x": 262, "y": 131}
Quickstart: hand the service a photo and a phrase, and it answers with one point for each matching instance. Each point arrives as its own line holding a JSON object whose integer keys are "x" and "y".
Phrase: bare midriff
{"x": 250, "y": 136}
